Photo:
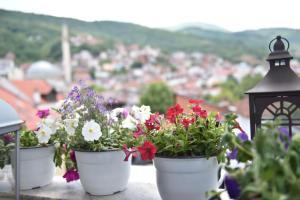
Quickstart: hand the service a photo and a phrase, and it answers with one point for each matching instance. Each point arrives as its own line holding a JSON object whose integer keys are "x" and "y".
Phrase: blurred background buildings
{"x": 42, "y": 57}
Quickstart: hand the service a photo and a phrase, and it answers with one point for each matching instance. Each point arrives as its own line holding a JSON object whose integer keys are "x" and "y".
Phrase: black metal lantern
{"x": 277, "y": 95}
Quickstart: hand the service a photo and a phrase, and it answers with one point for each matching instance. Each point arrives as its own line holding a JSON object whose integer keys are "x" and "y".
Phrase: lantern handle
{"x": 288, "y": 43}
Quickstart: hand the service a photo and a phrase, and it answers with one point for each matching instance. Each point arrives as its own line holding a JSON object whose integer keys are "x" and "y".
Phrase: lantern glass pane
{"x": 296, "y": 129}
{"x": 267, "y": 115}
{"x": 296, "y": 114}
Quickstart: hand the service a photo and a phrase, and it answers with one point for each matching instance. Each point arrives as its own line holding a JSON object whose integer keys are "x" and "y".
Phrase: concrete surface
{"x": 141, "y": 187}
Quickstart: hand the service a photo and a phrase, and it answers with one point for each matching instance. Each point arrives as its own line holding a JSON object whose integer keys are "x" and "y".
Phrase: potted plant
{"x": 94, "y": 138}
{"x": 37, "y": 152}
{"x": 269, "y": 166}
{"x": 186, "y": 148}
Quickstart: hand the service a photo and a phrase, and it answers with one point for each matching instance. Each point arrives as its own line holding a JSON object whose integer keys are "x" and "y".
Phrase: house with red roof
{"x": 27, "y": 96}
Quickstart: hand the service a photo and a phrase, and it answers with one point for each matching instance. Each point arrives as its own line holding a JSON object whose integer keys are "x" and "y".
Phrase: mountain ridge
{"x": 20, "y": 33}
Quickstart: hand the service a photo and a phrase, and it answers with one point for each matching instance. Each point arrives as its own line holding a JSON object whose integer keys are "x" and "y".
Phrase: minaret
{"x": 66, "y": 56}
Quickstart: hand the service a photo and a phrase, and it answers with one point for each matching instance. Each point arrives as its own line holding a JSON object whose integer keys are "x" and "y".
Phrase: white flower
{"x": 91, "y": 131}
{"x": 56, "y": 145}
{"x": 50, "y": 123}
{"x": 129, "y": 123}
{"x": 71, "y": 125}
{"x": 115, "y": 113}
{"x": 141, "y": 113}
{"x": 43, "y": 134}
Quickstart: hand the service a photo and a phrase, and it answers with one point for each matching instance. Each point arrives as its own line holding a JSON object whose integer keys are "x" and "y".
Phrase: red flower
{"x": 187, "y": 122}
{"x": 194, "y": 101}
{"x": 173, "y": 112}
{"x": 199, "y": 111}
{"x": 43, "y": 113}
{"x": 147, "y": 150}
{"x": 129, "y": 152}
{"x": 203, "y": 114}
{"x": 196, "y": 108}
{"x": 139, "y": 131}
{"x": 71, "y": 175}
{"x": 153, "y": 122}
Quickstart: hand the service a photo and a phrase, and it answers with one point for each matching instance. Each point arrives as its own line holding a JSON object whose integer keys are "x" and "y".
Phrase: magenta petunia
{"x": 43, "y": 113}
{"x": 72, "y": 156}
{"x": 8, "y": 138}
{"x": 71, "y": 175}
{"x": 138, "y": 132}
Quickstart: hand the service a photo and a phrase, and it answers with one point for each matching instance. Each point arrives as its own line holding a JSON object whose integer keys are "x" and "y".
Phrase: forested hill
{"x": 32, "y": 37}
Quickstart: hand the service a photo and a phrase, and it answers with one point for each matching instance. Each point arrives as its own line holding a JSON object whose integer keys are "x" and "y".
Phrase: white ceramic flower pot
{"x": 103, "y": 173}
{"x": 37, "y": 168}
{"x": 186, "y": 179}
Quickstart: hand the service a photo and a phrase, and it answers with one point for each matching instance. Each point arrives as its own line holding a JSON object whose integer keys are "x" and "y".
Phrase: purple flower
{"x": 90, "y": 92}
{"x": 284, "y": 132}
{"x": 111, "y": 101}
{"x": 101, "y": 108}
{"x": 82, "y": 83}
{"x": 74, "y": 95}
{"x": 8, "y": 138}
{"x": 232, "y": 154}
{"x": 71, "y": 175}
{"x": 284, "y": 136}
{"x": 233, "y": 188}
{"x": 243, "y": 137}
{"x": 43, "y": 113}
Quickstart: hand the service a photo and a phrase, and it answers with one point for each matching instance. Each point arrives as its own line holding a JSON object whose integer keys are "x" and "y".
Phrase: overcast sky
{"x": 232, "y": 15}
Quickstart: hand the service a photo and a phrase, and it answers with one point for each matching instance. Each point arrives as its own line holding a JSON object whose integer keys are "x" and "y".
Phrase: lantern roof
{"x": 9, "y": 119}
{"x": 279, "y": 78}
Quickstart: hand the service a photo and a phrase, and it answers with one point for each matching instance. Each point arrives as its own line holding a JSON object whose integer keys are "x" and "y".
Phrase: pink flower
{"x": 153, "y": 123}
{"x": 43, "y": 113}
{"x": 138, "y": 132}
{"x": 71, "y": 175}
{"x": 125, "y": 113}
{"x": 218, "y": 117}
{"x": 147, "y": 150}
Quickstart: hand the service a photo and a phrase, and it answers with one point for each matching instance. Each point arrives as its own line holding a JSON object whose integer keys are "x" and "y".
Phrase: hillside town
{"x": 120, "y": 73}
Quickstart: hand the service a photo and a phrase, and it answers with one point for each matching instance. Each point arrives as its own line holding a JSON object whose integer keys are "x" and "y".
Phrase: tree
{"x": 233, "y": 91}
{"x": 158, "y": 96}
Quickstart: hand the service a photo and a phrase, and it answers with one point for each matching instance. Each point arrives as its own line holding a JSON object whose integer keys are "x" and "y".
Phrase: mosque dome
{"x": 43, "y": 70}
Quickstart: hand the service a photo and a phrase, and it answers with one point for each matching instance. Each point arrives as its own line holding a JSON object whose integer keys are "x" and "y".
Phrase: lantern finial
{"x": 279, "y": 51}
{"x": 279, "y": 45}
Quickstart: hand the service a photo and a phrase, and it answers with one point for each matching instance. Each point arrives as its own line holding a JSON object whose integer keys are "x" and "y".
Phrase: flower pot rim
{"x": 103, "y": 151}
{"x": 183, "y": 157}
{"x": 36, "y": 147}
